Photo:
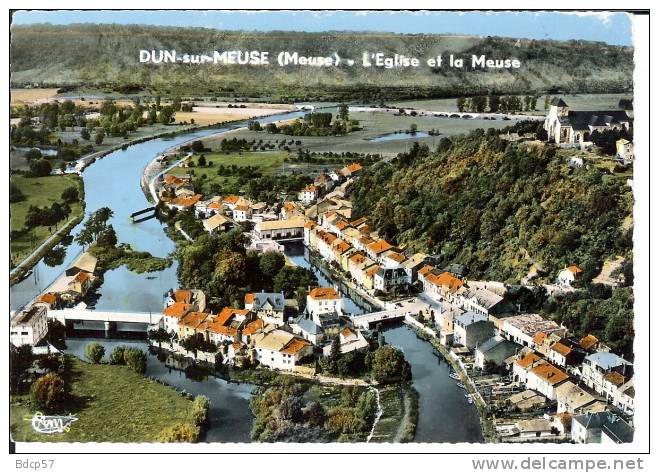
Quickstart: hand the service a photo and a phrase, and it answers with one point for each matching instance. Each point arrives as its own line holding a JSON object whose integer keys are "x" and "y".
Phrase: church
{"x": 571, "y": 126}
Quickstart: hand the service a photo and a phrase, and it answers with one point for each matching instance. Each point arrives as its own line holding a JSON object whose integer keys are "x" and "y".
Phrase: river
{"x": 114, "y": 181}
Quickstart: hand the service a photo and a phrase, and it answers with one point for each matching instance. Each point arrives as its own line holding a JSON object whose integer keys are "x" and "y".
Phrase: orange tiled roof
{"x": 365, "y": 240}
{"x": 253, "y": 327}
{"x": 228, "y": 313}
{"x": 539, "y": 338}
{"x": 244, "y": 208}
{"x": 346, "y": 332}
{"x": 310, "y": 188}
{"x": 359, "y": 221}
{"x": 379, "y": 246}
{"x": 354, "y": 167}
{"x": 193, "y": 319}
{"x": 372, "y": 270}
{"x": 324, "y": 293}
{"x": 615, "y": 378}
{"x": 183, "y": 295}
{"x": 309, "y": 225}
{"x": 82, "y": 277}
{"x": 445, "y": 279}
{"x": 249, "y": 298}
{"x": 295, "y": 346}
{"x": 549, "y": 373}
{"x": 527, "y": 360}
{"x": 342, "y": 224}
{"x": 341, "y": 247}
{"x": 425, "y": 270}
{"x": 588, "y": 342}
{"x": 357, "y": 258}
{"x": 397, "y": 257}
{"x": 186, "y": 201}
{"x": 216, "y": 326}
{"x": 177, "y": 309}
{"x": 561, "y": 348}
{"x": 574, "y": 269}
{"x": 214, "y": 205}
{"x": 48, "y": 298}
{"x": 231, "y": 199}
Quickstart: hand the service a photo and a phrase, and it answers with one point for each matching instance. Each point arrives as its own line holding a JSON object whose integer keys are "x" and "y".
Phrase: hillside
{"x": 107, "y": 56}
{"x": 497, "y": 208}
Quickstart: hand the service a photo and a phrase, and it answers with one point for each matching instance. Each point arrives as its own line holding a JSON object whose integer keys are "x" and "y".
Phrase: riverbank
{"x": 39, "y": 192}
{"x": 486, "y": 421}
{"x": 111, "y": 403}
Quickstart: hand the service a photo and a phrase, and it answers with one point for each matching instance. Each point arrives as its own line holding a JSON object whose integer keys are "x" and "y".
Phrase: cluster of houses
{"x": 268, "y": 330}
{"x": 30, "y": 325}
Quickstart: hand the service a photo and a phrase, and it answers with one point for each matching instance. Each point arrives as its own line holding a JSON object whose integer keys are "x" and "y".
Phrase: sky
{"x": 609, "y": 27}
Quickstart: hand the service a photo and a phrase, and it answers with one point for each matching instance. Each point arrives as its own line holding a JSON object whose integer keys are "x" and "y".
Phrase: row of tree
{"x": 497, "y": 103}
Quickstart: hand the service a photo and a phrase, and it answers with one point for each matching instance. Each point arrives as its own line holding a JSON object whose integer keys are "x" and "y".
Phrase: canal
{"x": 114, "y": 181}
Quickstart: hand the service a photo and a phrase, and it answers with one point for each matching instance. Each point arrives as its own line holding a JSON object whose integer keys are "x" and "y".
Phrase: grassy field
{"x": 23, "y": 96}
{"x": 39, "y": 191}
{"x": 373, "y": 124}
{"x": 112, "y": 403}
{"x": 577, "y": 102}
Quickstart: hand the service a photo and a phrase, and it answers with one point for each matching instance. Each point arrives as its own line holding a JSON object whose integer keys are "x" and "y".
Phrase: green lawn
{"x": 268, "y": 162}
{"x": 42, "y": 192}
{"x": 112, "y": 403}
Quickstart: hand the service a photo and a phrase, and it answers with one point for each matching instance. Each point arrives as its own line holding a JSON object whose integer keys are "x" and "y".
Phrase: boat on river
{"x": 460, "y": 385}
{"x": 454, "y": 375}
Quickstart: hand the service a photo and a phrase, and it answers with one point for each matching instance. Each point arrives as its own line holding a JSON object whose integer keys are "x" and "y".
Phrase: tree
{"x": 315, "y": 414}
{"x": 15, "y": 194}
{"x": 343, "y": 112}
{"x": 48, "y": 392}
{"x": 94, "y": 352}
{"x": 494, "y": 103}
{"x": 40, "y": 168}
{"x": 388, "y": 365}
{"x": 20, "y": 359}
{"x": 460, "y": 103}
{"x": 117, "y": 356}
{"x": 271, "y": 262}
{"x": 70, "y": 195}
{"x": 84, "y": 134}
{"x": 99, "y": 136}
{"x": 135, "y": 359}
{"x": 290, "y": 278}
{"x": 159, "y": 336}
{"x": 56, "y": 334}
{"x": 413, "y": 129}
{"x": 290, "y": 408}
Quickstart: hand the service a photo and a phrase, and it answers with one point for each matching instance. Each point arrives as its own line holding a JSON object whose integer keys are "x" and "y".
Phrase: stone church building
{"x": 571, "y": 126}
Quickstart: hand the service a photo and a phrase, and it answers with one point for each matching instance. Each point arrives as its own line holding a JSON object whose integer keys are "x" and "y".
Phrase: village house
{"x": 601, "y": 427}
{"x": 567, "y": 276}
{"x": 496, "y": 350}
{"x": 268, "y": 306}
{"x": 306, "y": 328}
{"x": 29, "y": 326}
{"x": 522, "y": 328}
{"x": 376, "y": 249}
{"x": 278, "y": 349}
{"x": 525, "y": 362}
{"x": 624, "y": 151}
{"x": 242, "y": 213}
{"x": 208, "y": 208}
{"x": 324, "y": 182}
{"x": 573, "y": 399}
{"x": 479, "y": 300}
{"x": 290, "y": 210}
{"x": 349, "y": 340}
{"x": 174, "y": 185}
{"x": 218, "y": 223}
{"x": 569, "y": 126}
{"x": 324, "y": 300}
{"x": 413, "y": 265}
{"x": 351, "y": 170}
{"x": 545, "y": 378}
{"x": 290, "y": 229}
{"x": 390, "y": 280}
{"x": 190, "y": 323}
{"x": 226, "y": 326}
{"x": 471, "y": 329}
{"x": 565, "y": 353}
{"x": 86, "y": 263}
{"x": 444, "y": 286}
{"x": 597, "y": 372}
{"x": 309, "y": 194}
{"x": 182, "y": 203}
{"x": 173, "y": 313}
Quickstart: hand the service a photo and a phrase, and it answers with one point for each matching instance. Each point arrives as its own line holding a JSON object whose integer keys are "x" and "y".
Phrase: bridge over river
{"x": 109, "y": 322}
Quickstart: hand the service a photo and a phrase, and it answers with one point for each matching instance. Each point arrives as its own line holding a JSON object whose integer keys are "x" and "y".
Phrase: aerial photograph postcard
{"x": 321, "y": 227}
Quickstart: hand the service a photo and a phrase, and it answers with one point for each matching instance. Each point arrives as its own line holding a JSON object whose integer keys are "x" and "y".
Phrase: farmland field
{"x": 39, "y": 191}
